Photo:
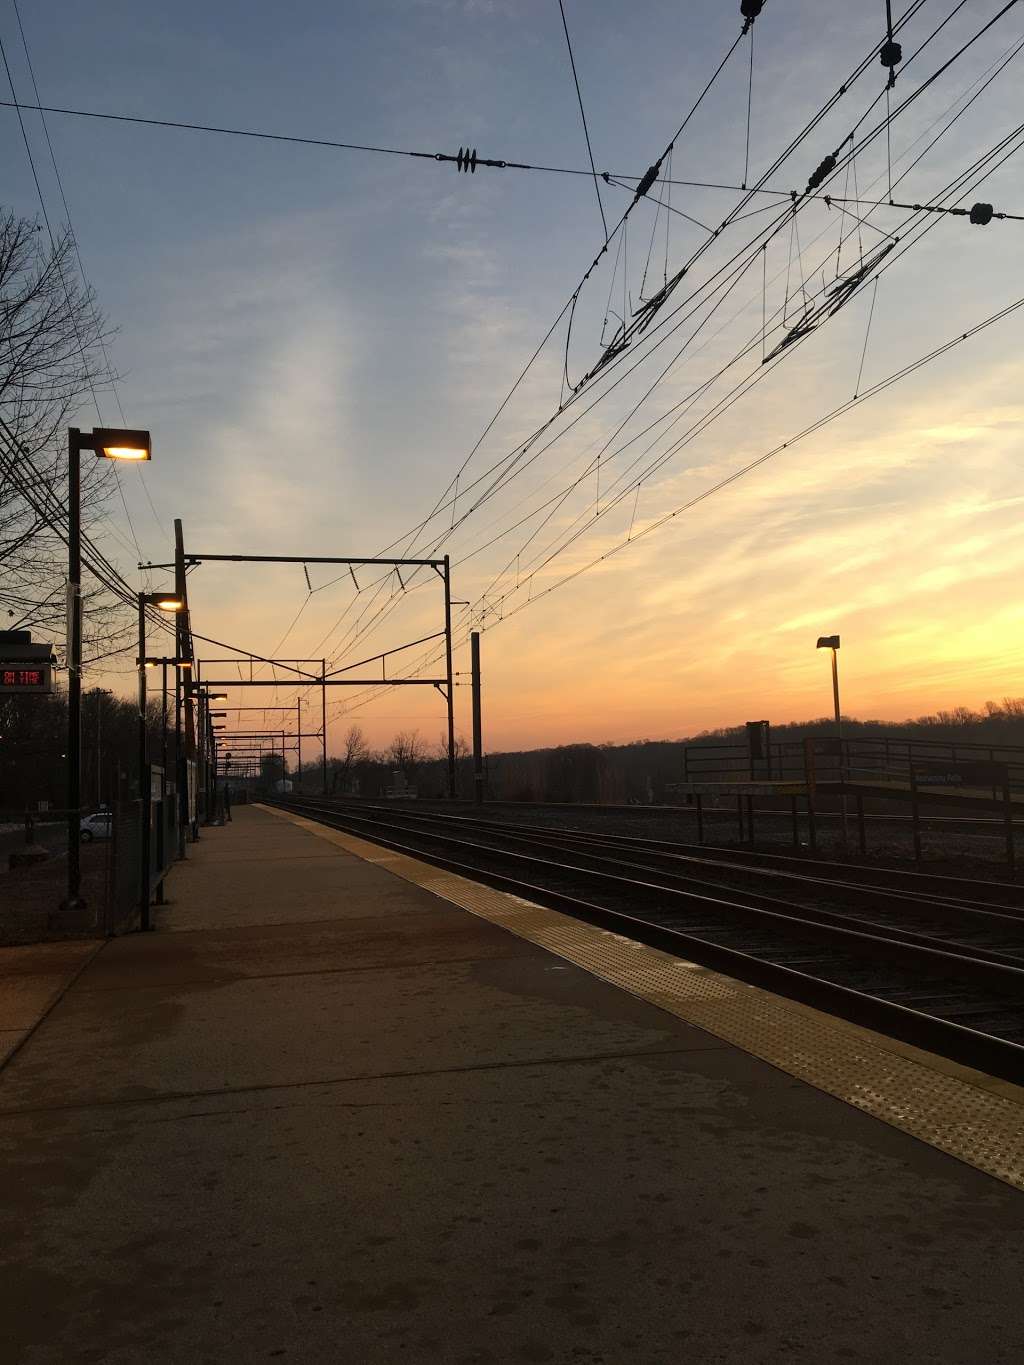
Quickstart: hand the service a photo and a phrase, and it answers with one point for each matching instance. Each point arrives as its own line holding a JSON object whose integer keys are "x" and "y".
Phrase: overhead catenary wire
{"x": 75, "y": 245}
{"x": 745, "y": 384}
{"x": 583, "y": 116}
{"x": 980, "y": 162}
{"x": 808, "y": 127}
{"x": 52, "y": 511}
{"x": 570, "y": 302}
{"x": 72, "y": 317}
{"x": 839, "y": 410}
{"x": 818, "y": 424}
{"x": 754, "y": 190}
{"x": 330, "y": 144}
{"x": 897, "y": 111}
{"x": 772, "y": 228}
{"x": 875, "y": 389}
{"x": 957, "y": 184}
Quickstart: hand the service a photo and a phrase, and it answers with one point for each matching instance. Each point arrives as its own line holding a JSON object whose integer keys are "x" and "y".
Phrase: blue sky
{"x": 317, "y": 338}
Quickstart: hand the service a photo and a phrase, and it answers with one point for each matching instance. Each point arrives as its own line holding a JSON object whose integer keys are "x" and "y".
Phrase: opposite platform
{"x": 324, "y": 1115}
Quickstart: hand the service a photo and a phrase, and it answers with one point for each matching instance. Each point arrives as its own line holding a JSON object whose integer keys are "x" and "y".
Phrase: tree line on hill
{"x": 34, "y": 740}
{"x": 640, "y": 771}
{"x": 33, "y": 747}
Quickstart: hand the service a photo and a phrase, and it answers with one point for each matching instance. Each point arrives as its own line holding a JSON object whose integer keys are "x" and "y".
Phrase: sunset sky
{"x": 317, "y": 338}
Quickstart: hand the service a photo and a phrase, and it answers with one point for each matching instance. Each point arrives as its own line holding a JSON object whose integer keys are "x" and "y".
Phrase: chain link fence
{"x": 114, "y": 844}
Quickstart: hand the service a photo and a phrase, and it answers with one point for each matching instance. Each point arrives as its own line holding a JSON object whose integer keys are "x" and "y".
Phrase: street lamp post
{"x": 204, "y": 732}
{"x": 101, "y": 694}
{"x": 163, "y": 716}
{"x": 179, "y": 665}
{"x": 831, "y": 642}
{"x": 166, "y": 601}
{"x": 215, "y": 729}
{"x": 111, "y": 444}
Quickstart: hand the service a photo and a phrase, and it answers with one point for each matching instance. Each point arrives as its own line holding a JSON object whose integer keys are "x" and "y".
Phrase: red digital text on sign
{"x": 22, "y": 677}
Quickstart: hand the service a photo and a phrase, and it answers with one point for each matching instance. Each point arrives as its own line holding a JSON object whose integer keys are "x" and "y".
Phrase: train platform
{"x": 343, "y": 1106}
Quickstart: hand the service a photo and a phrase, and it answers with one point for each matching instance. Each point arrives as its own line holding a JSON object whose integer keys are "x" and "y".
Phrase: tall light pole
{"x": 478, "y": 746}
{"x": 204, "y": 736}
{"x": 110, "y": 444}
{"x": 180, "y": 666}
{"x": 101, "y": 694}
{"x": 169, "y": 602}
{"x": 452, "y": 776}
{"x": 166, "y": 601}
{"x": 832, "y": 642}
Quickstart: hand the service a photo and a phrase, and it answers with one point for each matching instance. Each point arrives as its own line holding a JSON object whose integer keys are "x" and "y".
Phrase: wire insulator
{"x": 891, "y": 55}
{"x": 649, "y": 177}
{"x": 981, "y": 214}
{"x": 750, "y": 10}
{"x": 466, "y": 160}
{"x": 826, "y": 167}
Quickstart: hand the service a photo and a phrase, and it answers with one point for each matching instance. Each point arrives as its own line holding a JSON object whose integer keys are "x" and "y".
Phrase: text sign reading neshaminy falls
{"x": 25, "y": 677}
{"x": 953, "y": 773}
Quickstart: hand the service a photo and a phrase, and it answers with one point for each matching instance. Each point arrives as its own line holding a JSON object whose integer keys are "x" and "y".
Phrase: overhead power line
{"x": 78, "y": 257}
{"x": 263, "y": 135}
{"x": 583, "y": 116}
{"x": 355, "y": 703}
{"x": 760, "y": 187}
{"x": 984, "y": 164}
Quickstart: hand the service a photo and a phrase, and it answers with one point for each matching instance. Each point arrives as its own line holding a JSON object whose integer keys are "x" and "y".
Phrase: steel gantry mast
{"x": 336, "y": 677}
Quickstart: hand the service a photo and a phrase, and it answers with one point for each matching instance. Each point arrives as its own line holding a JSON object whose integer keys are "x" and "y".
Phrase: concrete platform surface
{"x": 321, "y": 1115}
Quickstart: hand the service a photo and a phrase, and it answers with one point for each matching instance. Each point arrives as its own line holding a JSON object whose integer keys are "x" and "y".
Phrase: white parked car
{"x": 95, "y": 827}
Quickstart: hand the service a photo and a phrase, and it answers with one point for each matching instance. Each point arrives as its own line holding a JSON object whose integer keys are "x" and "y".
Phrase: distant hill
{"x": 641, "y": 770}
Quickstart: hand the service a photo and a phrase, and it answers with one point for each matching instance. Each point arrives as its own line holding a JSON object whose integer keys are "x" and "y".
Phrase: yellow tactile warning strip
{"x": 974, "y": 1117}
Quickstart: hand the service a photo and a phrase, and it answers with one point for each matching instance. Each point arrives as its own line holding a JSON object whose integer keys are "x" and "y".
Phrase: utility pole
{"x": 195, "y": 742}
{"x": 182, "y": 689}
{"x": 144, "y": 780}
{"x": 200, "y": 742}
{"x": 74, "y": 652}
{"x": 99, "y": 694}
{"x": 452, "y": 788}
{"x": 298, "y": 731}
{"x": 323, "y": 721}
{"x": 163, "y": 719}
{"x": 839, "y": 736}
{"x": 478, "y": 747}
{"x": 831, "y": 642}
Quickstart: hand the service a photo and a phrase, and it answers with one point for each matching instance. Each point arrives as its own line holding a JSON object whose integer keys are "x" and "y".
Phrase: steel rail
{"x": 986, "y": 1051}
{"x": 803, "y": 873}
{"x": 1000, "y": 975}
{"x": 961, "y": 889}
{"x": 862, "y": 893}
{"x": 984, "y": 920}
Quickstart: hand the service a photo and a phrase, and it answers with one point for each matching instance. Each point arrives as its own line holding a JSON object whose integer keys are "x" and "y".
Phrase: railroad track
{"x": 987, "y": 827}
{"x": 936, "y": 961}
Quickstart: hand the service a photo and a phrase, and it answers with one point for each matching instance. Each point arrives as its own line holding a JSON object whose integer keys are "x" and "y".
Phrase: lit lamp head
{"x": 118, "y": 443}
{"x": 828, "y": 642}
{"x": 166, "y": 601}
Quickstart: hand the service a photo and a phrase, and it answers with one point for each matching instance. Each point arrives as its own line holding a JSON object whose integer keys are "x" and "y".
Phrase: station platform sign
{"x": 19, "y": 676}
